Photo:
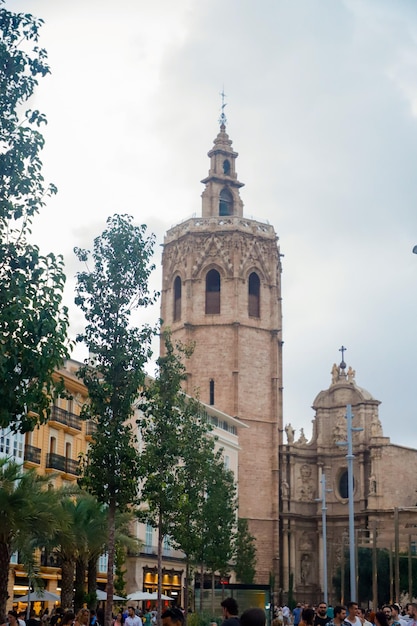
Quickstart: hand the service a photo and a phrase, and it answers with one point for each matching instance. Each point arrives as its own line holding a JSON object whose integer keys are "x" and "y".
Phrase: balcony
{"x": 90, "y": 427}
{"x": 62, "y": 464}
{"x": 66, "y": 418}
{"x": 32, "y": 454}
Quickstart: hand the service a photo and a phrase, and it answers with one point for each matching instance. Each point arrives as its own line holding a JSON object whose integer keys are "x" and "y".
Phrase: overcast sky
{"x": 322, "y": 108}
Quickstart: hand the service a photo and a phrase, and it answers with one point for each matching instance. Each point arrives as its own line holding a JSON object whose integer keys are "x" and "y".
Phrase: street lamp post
{"x": 324, "y": 534}
{"x": 350, "y": 457}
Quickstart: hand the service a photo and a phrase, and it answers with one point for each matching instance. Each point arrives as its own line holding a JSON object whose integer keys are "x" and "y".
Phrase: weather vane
{"x": 223, "y": 118}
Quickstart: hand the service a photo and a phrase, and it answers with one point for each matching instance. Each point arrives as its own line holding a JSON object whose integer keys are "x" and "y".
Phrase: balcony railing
{"x": 61, "y": 463}
{"x": 32, "y": 454}
{"x": 65, "y": 417}
{"x": 90, "y": 427}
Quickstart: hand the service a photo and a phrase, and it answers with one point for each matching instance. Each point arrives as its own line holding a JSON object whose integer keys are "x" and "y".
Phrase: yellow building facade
{"x": 52, "y": 449}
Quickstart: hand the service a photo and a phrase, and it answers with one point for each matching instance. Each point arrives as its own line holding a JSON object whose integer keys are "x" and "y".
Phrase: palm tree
{"x": 69, "y": 542}
{"x": 29, "y": 513}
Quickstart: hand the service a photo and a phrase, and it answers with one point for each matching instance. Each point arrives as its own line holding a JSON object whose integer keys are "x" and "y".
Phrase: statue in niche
{"x": 305, "y": 491}
{"x": 290, "y": 432}
{"x": 285, "y": 490}
{"x": 335, "y": 373}
{"x": 305, "y": 568}
{"x": 340, "y": 429}
{"x": 372, "y": 485}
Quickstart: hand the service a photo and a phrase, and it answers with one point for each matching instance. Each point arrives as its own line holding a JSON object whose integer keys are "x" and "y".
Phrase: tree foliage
{"x": 116, "y": 284}
{"x": 33, "y": 322}
{"x": 245, "y": 551}
{"x": 185, "y": 487}
{"x": 29, "y": 515}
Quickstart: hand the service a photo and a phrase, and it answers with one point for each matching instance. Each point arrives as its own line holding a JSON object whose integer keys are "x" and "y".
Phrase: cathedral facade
{"x": 221, "y": 290}
{"x": 384, "y": 490}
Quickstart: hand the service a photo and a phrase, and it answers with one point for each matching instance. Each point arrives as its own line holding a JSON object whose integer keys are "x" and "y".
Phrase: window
{"x": 226, "y": 167}
{"x": 226, "y": 202}
{"x": 177, "y": 298}
{"x": 211, "y": 392}
{"x": 254, "y": 286}
{"x": 68, "y": 454}
{"x": 148, "y": 535}
{"x": 213, "y": 292}
{"x": 52, "y": 445}
{"x": 344, "y": 486}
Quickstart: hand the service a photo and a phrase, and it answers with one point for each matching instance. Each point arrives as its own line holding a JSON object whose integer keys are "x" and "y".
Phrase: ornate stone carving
{"x": 306, "y": 542}
{"x": 340, "y": 429}
{"x": 290, "y": 431}
{"x": 302, "y": 438}
{"x": 305, "y": 568}
{"x": 372, "y": 485}
{"x": 351, "y": 375}
{"x": 305, "y": 487}
{"x": 376, "y": 427}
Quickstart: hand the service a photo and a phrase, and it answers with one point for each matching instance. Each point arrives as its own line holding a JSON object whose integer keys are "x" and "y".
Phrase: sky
{"x": 322, "y": 109}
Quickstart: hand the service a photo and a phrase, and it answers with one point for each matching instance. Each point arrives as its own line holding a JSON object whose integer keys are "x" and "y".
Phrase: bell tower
{"x": 221, "y": 289}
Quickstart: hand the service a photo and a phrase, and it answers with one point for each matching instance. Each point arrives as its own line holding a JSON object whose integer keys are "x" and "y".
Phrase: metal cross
{"x": 343, "y": 350}
{"x": 223, "y": 119}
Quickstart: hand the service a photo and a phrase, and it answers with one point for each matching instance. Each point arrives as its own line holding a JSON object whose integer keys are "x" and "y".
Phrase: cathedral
{"x": 221, "y": 290}
{"x": 384, "y": 488}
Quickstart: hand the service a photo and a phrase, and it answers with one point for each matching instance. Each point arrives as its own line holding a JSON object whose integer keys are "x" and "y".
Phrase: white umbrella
{"x": 140, "y": 595}
{"x": 40, "y": 596}
{"x": 145, "y": 595}
{"x": 155, "y": 597}
{"x": 102, "y": 595}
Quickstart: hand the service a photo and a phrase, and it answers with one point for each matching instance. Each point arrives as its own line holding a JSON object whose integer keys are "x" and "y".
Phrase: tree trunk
{"x": 79, "y": 584}
{"x": 201, "y": 585}
{"x": 160, "y": 542}
{"x": 92, "y": 576}
{"x": 212, "y": 594}
{"x": 4, "y": 575}
{"x": 186, "y": 583}
{"x": 110, "y": 563}
{"x": 67, "y": 584}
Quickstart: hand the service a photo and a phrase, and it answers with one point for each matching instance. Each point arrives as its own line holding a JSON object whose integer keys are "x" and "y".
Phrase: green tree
{"x": 166, "y": 413}
{"x": 198, "y": 455}
{"x": 33, "y": 322}
{"x": 245, "y": 553}
{"x": 219, "y": 515}
{"x": 29, "y": 514}
{"x": 116, "y": 285}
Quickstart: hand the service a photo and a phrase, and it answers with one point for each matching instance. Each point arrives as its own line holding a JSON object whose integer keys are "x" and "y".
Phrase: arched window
{"x": 177, "y": 298}
{"x": 211, "y": 402}
{"x": 213, "y": 292}
{"x": 254, "y": 288}
{"x": 226, "y": 167}
{"x": 226, "y": 202}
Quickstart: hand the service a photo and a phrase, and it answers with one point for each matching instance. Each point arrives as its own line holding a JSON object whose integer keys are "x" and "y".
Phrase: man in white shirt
{"x": 132, "y": 619}
{"x": 352, "y": 616}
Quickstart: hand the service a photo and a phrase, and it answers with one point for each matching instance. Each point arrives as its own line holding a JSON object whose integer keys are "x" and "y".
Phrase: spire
{"x": 221, "y": 196}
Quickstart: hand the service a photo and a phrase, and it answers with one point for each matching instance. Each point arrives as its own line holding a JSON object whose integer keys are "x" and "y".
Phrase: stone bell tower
{"x": 221, "y": 290}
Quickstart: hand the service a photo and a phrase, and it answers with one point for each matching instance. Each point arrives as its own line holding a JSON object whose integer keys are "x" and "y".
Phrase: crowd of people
{"x": 302, "y": 615}
{"x": 350, "y": 615}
